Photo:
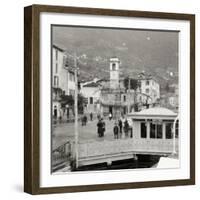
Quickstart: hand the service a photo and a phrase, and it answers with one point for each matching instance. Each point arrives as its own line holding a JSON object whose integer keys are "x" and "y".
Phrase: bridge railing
{"x": 61, "y": 155}
{"x": 99, "y": 148}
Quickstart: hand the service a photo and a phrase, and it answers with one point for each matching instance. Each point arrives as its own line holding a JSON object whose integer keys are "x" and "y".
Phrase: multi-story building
{"x": 91, "y": 92}
{"x": 149, "y": 89}
{"x": 63, "y": 80}
{"x": 173, "y": 101}
{"x": 170, "y": 101}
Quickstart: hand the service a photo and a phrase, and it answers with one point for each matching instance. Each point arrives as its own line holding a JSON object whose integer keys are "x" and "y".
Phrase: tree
{"x": 69, "y": 100}
{"x": 134, "y": 84}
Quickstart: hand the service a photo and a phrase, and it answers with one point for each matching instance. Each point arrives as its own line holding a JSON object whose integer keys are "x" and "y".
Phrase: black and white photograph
{"x": 114, "y": 99}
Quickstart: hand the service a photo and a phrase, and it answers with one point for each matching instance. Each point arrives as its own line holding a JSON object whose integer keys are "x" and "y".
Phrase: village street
{"x": 65, "y": 131}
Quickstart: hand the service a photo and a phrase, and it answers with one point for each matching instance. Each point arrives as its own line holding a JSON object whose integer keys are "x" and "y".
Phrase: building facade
{"x": 115, "y": 99}
{"x": 149, "y": 89}
{"x": 154, "y": 123}
{"x": 91, "y": 92}
{"x": 63, "y": 80}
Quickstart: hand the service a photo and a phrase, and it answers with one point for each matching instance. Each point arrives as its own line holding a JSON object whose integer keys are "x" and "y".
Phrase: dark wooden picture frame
{"x": 32, "y": 96}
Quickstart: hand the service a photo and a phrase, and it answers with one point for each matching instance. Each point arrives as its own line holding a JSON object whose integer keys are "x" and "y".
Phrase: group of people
{"x": 122, "y": 125}
{"x": 121, "y": 129}
{"x": 84, "y": 119}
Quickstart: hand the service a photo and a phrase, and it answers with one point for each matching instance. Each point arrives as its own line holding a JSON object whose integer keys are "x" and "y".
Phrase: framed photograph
{"x": 109, "y": 99}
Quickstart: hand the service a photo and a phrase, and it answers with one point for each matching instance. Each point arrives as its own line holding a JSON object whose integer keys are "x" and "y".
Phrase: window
{"x": 143, "y": 130}
{"x": 159, "y": 130}
{"x": 147, "y": 90}
{"x": 91, "y": 100}
{"x": 152, "y": 130}
{"x": 56, "y": 55}
{"x": 147, "y": 82}
{"x": 114, "y": 66}
{"x": 56, "y": 70}
{"x": 168, "y": 130}
{"x": 156, "y": 131}
{"x": 55, "y": 81}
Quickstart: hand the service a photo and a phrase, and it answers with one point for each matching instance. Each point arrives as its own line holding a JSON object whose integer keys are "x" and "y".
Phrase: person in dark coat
{"x": 103, "y": 127}
{"x": 100, "y": 128}
{"x": 126, "y": 128}
{"x": 91, "y": 116}
{"x": 120, "y": 127}
{"x": 116, "y": 131}
{"x": 82, "y": 120}
{"x": 85, "y": 120}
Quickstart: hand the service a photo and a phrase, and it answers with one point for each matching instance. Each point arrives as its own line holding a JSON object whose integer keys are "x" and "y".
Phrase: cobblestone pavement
{"x": 65, "y": 132}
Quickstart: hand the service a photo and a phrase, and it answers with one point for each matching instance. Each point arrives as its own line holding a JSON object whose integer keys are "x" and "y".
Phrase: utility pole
{"x": 129, "y": 94}
{"x": 74, "y": 56}
{"x": 76, "y": 108}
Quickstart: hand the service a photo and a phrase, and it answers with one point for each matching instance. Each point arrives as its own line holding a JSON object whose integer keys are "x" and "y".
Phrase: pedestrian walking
{"x": 91, "y": 116}
{"x": 116, "y": 131}
{"x": 126, "y": 128}
{"x": 99, "y": 128}
{"x": 85, "y": 120}
{"x": 104, "y": 127}
{"x": 120, "y": 127}
{"x": 82, "y": 121}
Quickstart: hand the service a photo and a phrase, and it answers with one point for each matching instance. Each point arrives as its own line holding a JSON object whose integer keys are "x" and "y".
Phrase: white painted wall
{"x": 90, "y": 92}
{"x": 61, "y": 72}
{"x": 65, "y": 82}
{"x": 11, "y": 143}
{"x": 93, "y": 92}
{"x": 153, "y": 87}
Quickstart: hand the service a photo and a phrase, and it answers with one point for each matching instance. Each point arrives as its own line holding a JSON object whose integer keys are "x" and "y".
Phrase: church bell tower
{"x": 114, "y": 73}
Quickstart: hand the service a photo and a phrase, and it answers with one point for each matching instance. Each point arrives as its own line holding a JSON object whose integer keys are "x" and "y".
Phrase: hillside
{"x": 155, "y": 52}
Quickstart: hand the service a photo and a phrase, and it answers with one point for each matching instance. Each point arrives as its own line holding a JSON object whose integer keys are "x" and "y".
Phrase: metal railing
{"x": 61, "y": 156}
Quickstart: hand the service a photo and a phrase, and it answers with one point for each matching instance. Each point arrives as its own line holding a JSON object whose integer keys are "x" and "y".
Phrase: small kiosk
{"x": 157, "y": 127}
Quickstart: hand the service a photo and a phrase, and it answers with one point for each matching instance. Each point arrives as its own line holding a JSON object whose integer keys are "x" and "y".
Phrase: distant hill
{"x": 155, "y": 52}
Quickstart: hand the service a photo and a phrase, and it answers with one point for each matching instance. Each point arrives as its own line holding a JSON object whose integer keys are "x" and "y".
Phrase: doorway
{"x": 111, "y": 109}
